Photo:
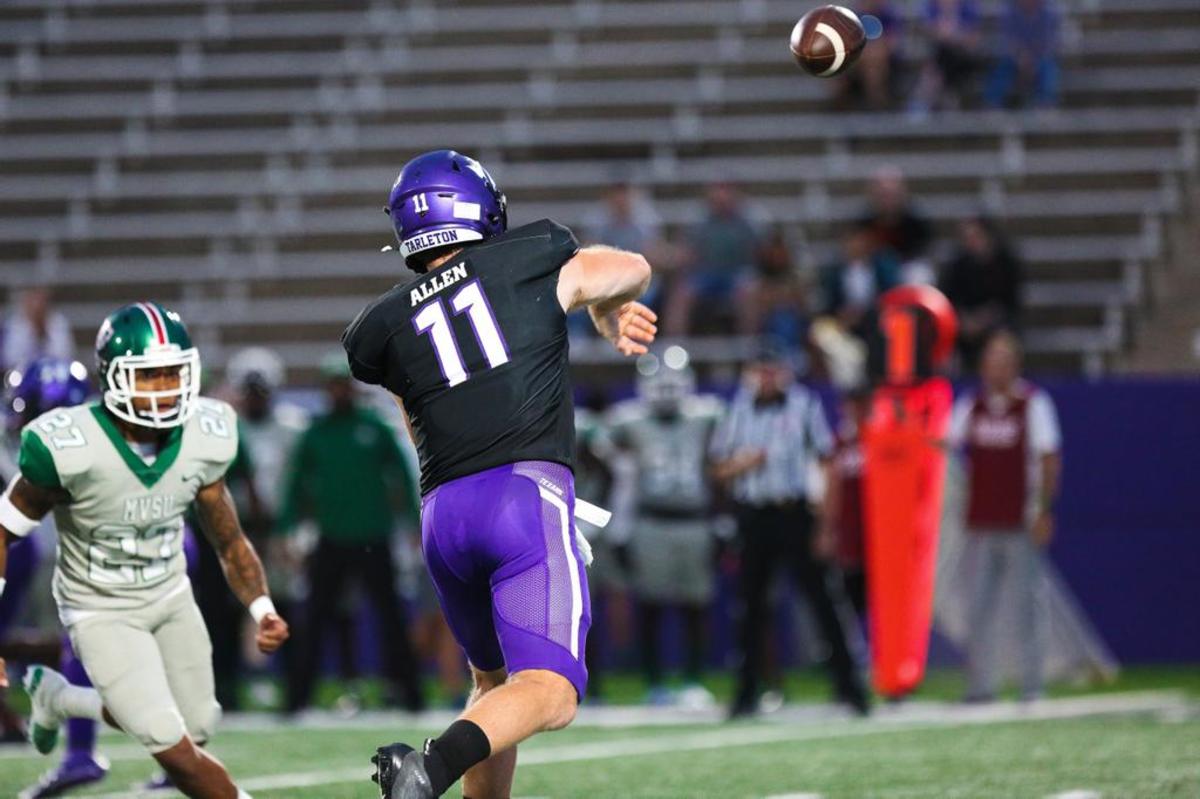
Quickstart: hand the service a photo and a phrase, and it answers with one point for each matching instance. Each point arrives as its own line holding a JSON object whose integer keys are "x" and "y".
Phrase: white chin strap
{"x": 169, "y": 408}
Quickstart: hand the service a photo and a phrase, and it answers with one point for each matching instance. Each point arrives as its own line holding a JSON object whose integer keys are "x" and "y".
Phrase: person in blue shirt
{"x": 952, "y": 27}
{"x": 1030, "y": 32}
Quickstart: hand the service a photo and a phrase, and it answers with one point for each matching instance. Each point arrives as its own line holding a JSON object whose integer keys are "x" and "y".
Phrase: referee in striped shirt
{"x": 762, "y": 450}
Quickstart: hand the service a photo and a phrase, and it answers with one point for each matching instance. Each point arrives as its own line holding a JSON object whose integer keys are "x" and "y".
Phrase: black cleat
{"x": 387, "y": 761}
{"x": 400, "y": 772}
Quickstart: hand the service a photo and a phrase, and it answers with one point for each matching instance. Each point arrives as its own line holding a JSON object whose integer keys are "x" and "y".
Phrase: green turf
{"x": 1124, "y": 758}
{"x": 1117, "y": 756}
{"x": 800, "y": 685}
{"x": 811, "y": 685}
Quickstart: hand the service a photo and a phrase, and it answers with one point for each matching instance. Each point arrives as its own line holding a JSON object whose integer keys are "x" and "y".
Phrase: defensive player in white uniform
{"x": 667, "y": 430}
{"x": 119, "y": 475}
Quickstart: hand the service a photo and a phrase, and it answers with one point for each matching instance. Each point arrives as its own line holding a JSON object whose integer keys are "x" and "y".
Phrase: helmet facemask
{"x": 667, "y": 383}
{"x": 121, "y": 387}
{"x": 666, "y": 392}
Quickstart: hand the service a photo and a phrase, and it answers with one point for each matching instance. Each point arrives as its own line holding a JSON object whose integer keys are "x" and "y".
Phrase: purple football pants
{"x": 500, "y": 548}
{"x": 23, "y": 557}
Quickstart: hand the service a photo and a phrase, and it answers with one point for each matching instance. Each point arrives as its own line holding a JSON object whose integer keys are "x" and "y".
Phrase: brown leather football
{"x": 827, "y": 40}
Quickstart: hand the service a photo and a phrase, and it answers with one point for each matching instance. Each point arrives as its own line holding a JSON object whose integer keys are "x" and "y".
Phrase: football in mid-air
{"x": 827, "y": 40}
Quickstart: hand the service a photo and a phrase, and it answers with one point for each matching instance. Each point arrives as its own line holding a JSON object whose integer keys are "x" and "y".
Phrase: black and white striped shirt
{"x": 793, "y": 433}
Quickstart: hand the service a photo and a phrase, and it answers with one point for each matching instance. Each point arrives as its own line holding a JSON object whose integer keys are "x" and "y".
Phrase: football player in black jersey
{"x": 475, "y": 351}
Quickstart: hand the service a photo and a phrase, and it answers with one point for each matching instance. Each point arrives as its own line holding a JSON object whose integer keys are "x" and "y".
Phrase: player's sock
{"x": 449, "y": 756}
{"x": 243, "y": 795}
{"x": 81, "y": 733}
{"x": 74, "y": 702}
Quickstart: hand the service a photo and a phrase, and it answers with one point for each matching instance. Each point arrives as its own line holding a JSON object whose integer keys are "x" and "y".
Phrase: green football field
{"x": 1116, "y": 743}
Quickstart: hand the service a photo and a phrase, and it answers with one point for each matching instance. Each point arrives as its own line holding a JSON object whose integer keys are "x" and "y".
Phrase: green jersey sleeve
{"x": 35, "y": 461}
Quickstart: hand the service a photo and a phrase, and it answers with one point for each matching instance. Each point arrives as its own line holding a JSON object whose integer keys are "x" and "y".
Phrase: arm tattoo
{"x": 219, "y": 520}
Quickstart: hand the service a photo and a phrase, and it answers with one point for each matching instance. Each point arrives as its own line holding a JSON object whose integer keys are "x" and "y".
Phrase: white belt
{"x": 592, "y": 514}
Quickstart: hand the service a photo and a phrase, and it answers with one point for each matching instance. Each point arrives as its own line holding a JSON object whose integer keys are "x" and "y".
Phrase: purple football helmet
{"x": 443, "y": 198}
{"x": 42, "y": 385}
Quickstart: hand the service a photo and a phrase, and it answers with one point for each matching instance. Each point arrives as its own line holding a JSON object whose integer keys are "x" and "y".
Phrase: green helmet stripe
{"x": 137, "y": 329}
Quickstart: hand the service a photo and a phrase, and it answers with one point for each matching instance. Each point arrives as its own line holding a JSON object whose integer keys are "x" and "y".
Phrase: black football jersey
{"x": 477, "y": 351}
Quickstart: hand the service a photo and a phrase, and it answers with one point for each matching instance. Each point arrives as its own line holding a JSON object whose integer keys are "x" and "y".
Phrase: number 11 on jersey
{"x": 432, "y": 319}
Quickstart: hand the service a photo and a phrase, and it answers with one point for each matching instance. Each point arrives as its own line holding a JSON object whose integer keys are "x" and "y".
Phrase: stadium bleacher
{"x": 229, "y": 156}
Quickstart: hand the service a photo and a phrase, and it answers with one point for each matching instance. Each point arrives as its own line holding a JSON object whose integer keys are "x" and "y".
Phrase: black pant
{"x": 650, "y": 618}
{"x": 774, "y": 537}
{"x": 224, "y": 617}
{"x": 329, "y": 568}
{"x": 855, "y": 581}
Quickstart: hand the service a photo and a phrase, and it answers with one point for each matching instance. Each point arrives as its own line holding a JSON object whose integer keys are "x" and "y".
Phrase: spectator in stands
{"x": 952, "y": 27}
{"x": 1029, "y": 48}
{"x": 775, "y": 297}
{"x": 983, "y": 280}
{"x": 851, "y": 285}
{"x": 721, "y": 251}
{"x": 347, "y": 473}
{"x": 898, "y": 224}
{"x": 872, "y": 81}
{"x": 35, "y": 330}
{"x": 1009, "y": 433}
{"x": 774, "y": 430}
{"x": 627, "y": 220}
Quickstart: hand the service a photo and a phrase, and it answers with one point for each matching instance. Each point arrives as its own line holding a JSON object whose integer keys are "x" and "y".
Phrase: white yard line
{"x": 925, "y": 718}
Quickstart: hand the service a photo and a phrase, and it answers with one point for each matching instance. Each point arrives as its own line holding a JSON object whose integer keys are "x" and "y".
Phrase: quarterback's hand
{"x": 3, "y": 674}
{"x": 634, "y": 329}
{"x": 272, "y": 632}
